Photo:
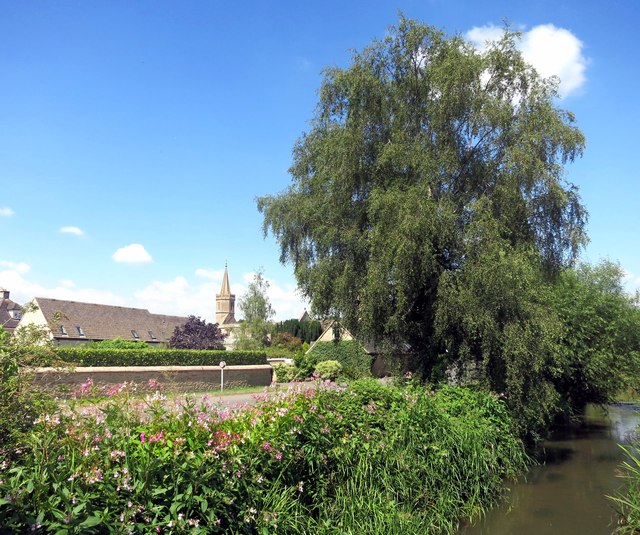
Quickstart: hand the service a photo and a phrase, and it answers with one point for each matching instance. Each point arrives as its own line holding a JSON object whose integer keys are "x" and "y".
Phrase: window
{"x": 135, "y": 333}
{"x": 15, "y": 314}
{"x": 80, "y": 331}
{"x": 63, "y": 330}
{"x": 153, "y": 336}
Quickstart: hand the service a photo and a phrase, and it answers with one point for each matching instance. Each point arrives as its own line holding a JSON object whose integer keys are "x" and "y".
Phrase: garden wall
{"x": 173, "y": 378}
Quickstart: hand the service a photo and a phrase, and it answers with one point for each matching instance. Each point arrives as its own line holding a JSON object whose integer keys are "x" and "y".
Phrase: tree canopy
{"x": 431, "y": 170}
{"x": 196, "y": 333}
{"x": 257, "y": 312}
{"x": 420, "y": 152}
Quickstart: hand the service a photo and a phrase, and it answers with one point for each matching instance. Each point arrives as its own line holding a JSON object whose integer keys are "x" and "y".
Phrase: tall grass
{"x": 360, "y": 460}
{"x": 628, "y": 503}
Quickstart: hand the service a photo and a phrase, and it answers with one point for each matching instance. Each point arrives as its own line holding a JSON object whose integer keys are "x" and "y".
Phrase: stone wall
{"x": 173, "y": 378}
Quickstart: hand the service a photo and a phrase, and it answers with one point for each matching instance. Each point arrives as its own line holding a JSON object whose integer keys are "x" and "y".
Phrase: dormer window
{"x": 135, "y": 333}
{"x": 80, "y": 331}
{"x": 15, "y": 314}
{"x": 153, "y": 336}
{"x": 63, "y": 330}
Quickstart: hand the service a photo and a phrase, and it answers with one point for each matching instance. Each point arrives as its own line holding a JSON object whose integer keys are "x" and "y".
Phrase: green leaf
{"x": 90, "y": 522}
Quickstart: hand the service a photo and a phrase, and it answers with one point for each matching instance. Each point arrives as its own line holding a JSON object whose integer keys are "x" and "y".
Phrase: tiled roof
{"x": 5, "y": 317}
{"x": 106, "y": 322}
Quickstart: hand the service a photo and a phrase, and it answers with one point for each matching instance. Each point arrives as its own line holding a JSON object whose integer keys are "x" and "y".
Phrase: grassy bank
{"x": 366, "y": 459}
{"x": 628, "y": 502}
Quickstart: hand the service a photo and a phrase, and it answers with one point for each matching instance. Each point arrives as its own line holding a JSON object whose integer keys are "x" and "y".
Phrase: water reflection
{"x": 566, "y": 493}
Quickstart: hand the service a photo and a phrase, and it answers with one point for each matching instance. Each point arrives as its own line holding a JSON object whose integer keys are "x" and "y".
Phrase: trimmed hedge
{"x": 84, "y": 356}
{"x": 356, "y": 362}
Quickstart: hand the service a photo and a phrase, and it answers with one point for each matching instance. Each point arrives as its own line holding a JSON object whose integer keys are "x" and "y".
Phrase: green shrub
{"x": 356, "y": 362}
{"x": 118, "y": 343}
{"x": 371, "y": 459}
{"x": 83, "y": 356}
{"x": 285, "y": 373}
{"x": 20, "y": 402}
{"x": 306, "y": 363}
{"x": 628, "y": 502}
{"x": 328, "y": 369}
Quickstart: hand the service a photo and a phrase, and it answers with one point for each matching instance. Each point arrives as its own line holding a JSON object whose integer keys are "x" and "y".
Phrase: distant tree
{"x": 256, "y": 327}
{"x": 197, "y": 334}
{"x": 308, "y": 331}
{"x": 286, "y": 341}
{"x": 600, "y": 353}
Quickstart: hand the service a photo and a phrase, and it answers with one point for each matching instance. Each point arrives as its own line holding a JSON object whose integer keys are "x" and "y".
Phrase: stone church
{"x": 225, "y": 311}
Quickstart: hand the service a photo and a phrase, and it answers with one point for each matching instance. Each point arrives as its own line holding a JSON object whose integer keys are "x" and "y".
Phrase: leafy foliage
{"x": 328, "y": 370}
{"x": 285, "y": 373}
{"x": 600, "y": 350}
{"x": 255, "y": 329}
{"x": 197, "y": 334}
{"x": 628, "y": 502}
{"x": 20, "y": 402}
{"x": 119, "y": 343}
{"x": 328, "y": 461}
{"x": 434, "y": 174}
{"x": 419, "y": 150}
{"x": 287, "y": 341}
{"x": 85, "y": 356}
{"x": 308, "y": 331}
{"x": 355, "y": 361}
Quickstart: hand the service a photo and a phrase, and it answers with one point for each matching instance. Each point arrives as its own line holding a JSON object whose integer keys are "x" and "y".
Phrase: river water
{"x": 566, "y": 493}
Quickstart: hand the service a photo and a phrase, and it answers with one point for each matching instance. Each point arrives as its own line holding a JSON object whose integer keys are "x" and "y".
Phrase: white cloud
{"x": 77, "y": 231}
{"x": 18, "y": 267}
{"x": 5, "y": 211}
{"x": 177, "y": 296}
{"x": 480, "y": 36}
{"x": 631, "y": 281}
{"x": 212, "y": 274}
{"x": 132, "y": 254}
{"x": 551, "y": 50}
{"x": 23, "y": 290}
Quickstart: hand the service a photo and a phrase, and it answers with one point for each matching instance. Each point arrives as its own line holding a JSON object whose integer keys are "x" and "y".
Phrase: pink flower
{"x": 142, "y": 437}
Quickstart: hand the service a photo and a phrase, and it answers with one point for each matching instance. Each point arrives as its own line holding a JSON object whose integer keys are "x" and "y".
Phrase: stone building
{"x": 225, "y": 311}
{"x": 75, "y": 323}
{"x": 10, "y": 311}
{"x": 225, "y": 302}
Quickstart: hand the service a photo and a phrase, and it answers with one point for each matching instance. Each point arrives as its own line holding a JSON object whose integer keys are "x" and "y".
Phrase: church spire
{"x": 225, "y": 301}
{"x": 226, "y": 289}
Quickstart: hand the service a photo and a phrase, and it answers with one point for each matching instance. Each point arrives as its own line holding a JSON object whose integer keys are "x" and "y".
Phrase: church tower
{"x": 225, "y": 302}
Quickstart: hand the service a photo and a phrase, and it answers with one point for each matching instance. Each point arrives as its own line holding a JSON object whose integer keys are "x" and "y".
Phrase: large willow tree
{"x": 430, "y": 170}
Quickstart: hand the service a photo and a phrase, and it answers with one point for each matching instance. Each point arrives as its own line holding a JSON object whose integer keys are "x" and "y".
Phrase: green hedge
{"x": 83, "y": 356}
{"x": 356, "y": 362}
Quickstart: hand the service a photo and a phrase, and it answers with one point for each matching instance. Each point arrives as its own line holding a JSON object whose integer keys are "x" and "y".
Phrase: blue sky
{"x": 135, "y": 136}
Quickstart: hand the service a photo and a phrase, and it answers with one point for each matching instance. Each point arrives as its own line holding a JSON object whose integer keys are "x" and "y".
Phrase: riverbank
{"x": 569, "y": 490}
{"x": 367, "y": 458}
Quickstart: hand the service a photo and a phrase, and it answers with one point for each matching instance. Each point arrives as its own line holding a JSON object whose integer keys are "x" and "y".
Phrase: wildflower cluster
{"x": 283, "y": 465}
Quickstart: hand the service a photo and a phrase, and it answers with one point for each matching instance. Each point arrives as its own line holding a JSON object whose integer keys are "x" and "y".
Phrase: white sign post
{"x": 222, "y": 365}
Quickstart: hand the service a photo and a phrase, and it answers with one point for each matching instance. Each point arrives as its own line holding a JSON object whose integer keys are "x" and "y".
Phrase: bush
{"x": 20, "y": 402}
{"x": 328, "y": 370}
{"x": 306, "y": 363}
{"x": 118, "y": 343}
{"x": 356, "y": 362}
{"x": 286, "y": 341}
{"x": 362, "y": 460}
{"x": 285, "y": 373}
{"x": 83, "y": 356}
